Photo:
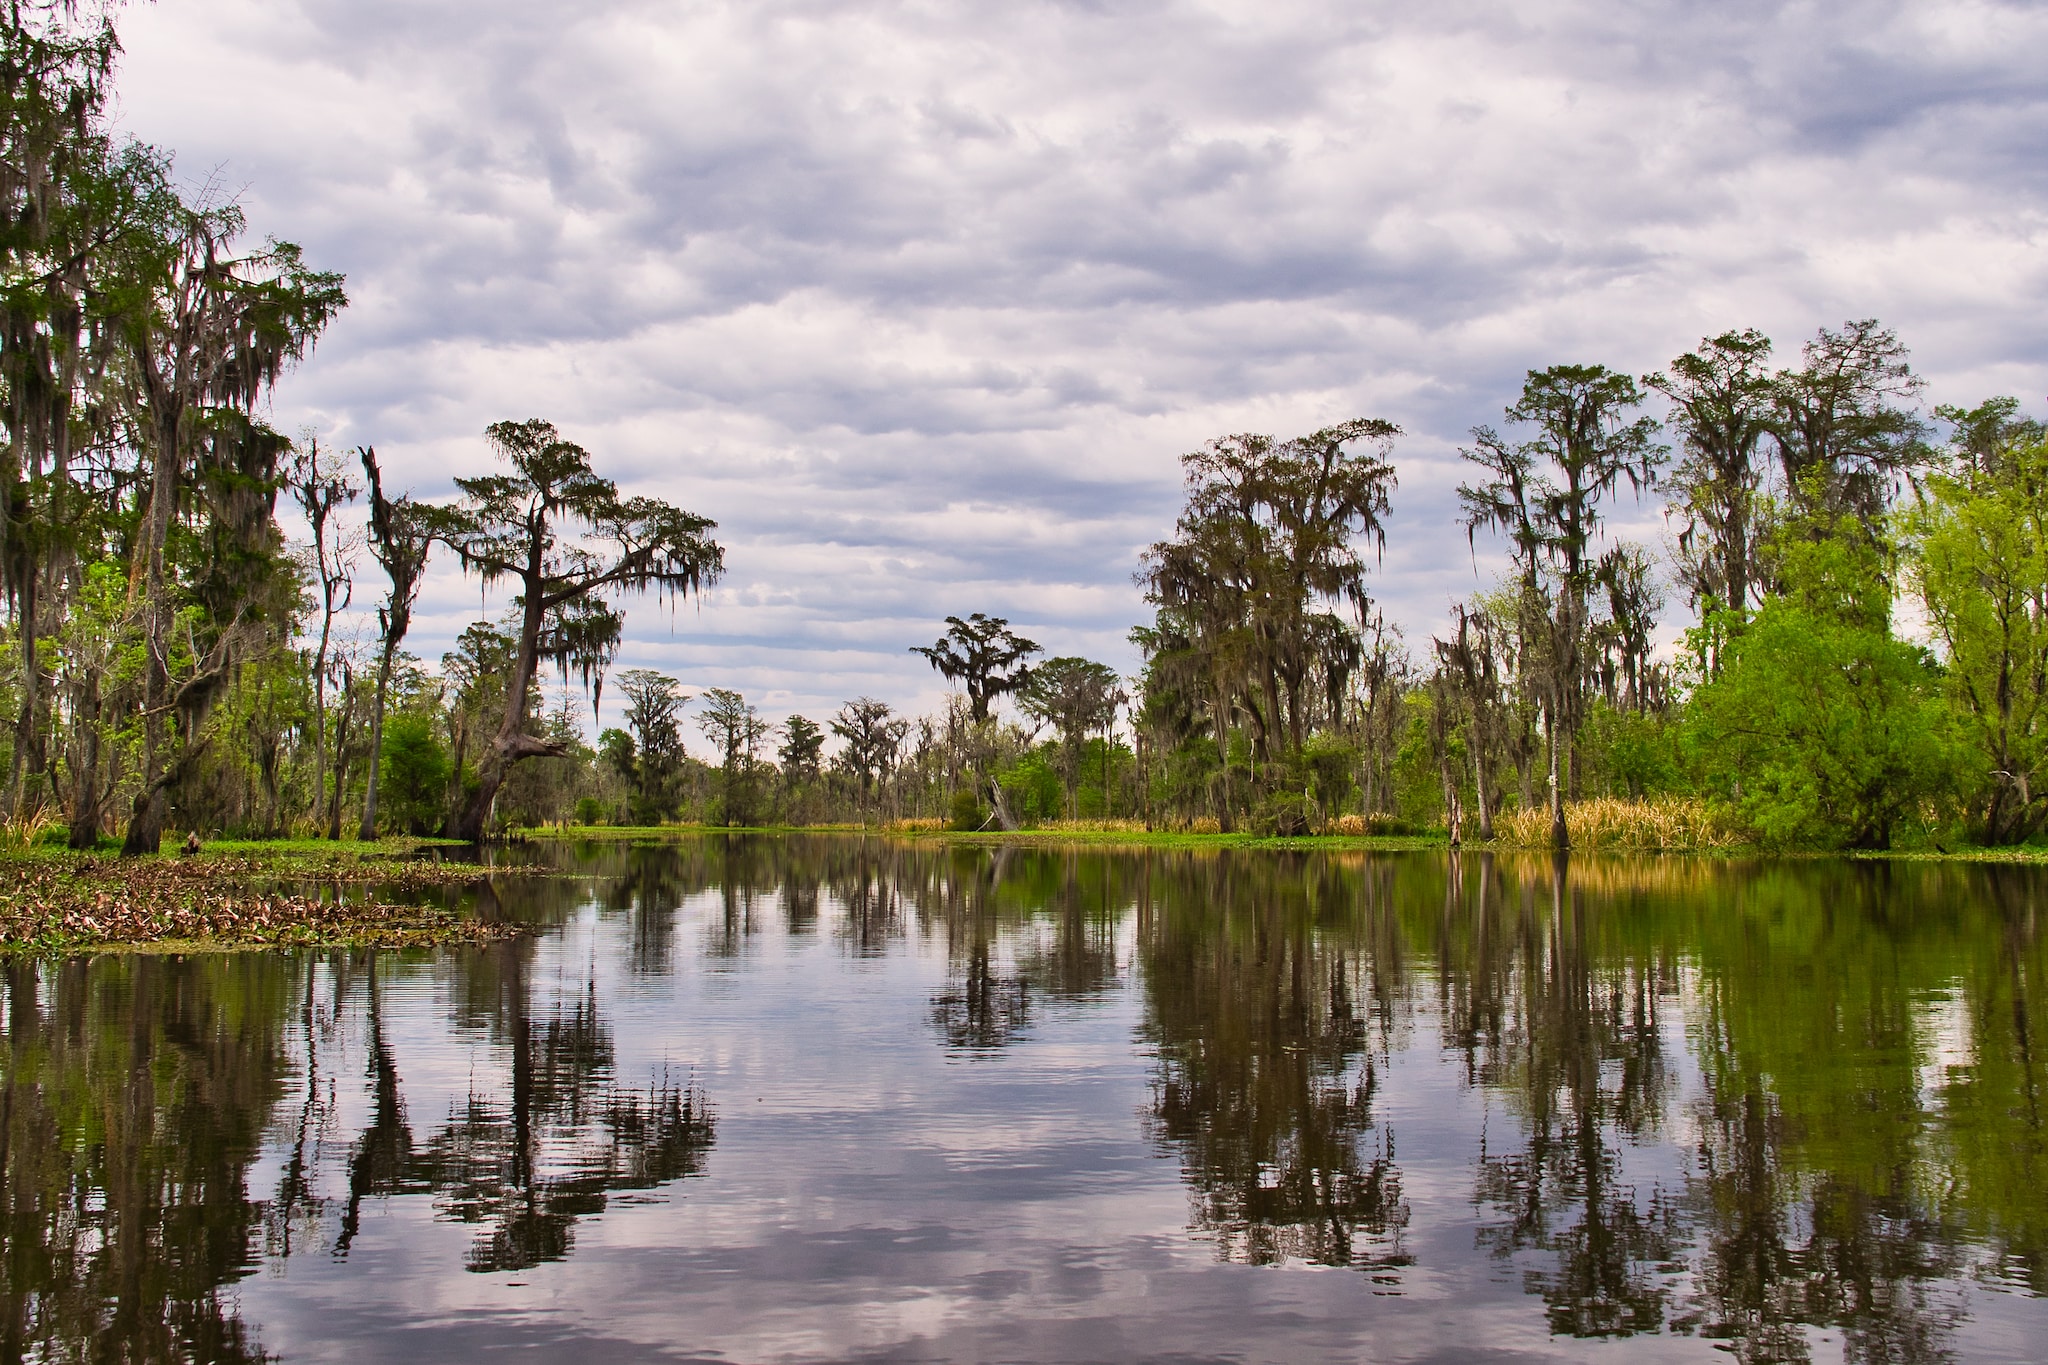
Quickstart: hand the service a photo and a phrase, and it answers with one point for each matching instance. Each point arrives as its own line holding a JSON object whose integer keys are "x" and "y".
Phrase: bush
{"x": 1821, "y": 732}
{"x": 967, "y": 812}
{"x": 589, "y": 811}
{"x": 1285, "y": 814}
{"x": 412, "y": 774}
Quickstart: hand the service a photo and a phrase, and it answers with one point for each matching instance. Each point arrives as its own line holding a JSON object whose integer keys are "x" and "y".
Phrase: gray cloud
{"x": 922, "y": 301}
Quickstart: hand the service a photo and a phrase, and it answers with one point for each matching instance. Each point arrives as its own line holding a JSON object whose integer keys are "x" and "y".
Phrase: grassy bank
{"x": 1656, "y": 826}
{"x": 1065, "y": 833}
{"x": 286, "y": 893}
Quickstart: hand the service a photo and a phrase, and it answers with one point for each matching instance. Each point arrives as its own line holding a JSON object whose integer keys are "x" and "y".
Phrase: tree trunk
{"x": 1479, "y": 789}
{"x": 340, "y": 765}
{"x": 85, "y": 799}
{"x": 369, "y": 827}
{"x": 1560, "y": 837}
{"x": 1454, "y": 815}
{"x": 511, "y": 743}
{"x": 1001, "y": 805}
{"x": 320, "y": 709}
{"x": 31, "y": 674}
{"x": 1223, "y": 816}
{"x": 146, "y": 824}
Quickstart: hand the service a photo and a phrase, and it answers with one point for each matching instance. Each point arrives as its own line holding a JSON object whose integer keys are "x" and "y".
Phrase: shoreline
{"x": 248, "y": 895}
{"x": 1345, "y": 843}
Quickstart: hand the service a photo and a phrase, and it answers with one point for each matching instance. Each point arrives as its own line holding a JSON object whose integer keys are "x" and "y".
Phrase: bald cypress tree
{"x": 564, "y": 537}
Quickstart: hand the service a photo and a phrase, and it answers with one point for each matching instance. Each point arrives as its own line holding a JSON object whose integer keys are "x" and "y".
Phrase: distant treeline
{"x": 172, "y": 661}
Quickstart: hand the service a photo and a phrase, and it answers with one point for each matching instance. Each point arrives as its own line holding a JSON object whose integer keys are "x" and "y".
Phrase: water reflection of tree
{"x": 1076, "y": 960}
{"x": 1574, "y": 1041}
{"x": 527, "y": 1162}
{"x": 1267, "y": 1072}
{"x": 866, "y": 883}
{"x": 135, "y": 1097}
{"x": 1812, "y": 1200}
{"x": 981, "y": 1008}
{"x": 1865, "y": 1133}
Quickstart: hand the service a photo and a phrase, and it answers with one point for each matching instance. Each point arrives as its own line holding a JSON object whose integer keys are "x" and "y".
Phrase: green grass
{"x": 1027, "y": 837}
{"x": 1166, "y": 839}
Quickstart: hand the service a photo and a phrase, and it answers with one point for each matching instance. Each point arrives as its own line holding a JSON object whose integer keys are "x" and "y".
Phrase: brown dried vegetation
{"x": 63, "y": 904}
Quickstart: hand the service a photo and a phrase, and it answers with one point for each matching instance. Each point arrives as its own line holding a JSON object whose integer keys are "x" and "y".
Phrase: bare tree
{"x": 320, "y": 484}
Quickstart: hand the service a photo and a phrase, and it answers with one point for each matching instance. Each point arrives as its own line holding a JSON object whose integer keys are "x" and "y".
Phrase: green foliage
{"x": 1075, "y": 696}
{"x": 1629, "y": 753}
{"x": 966, "y": 811}
{"x": 1033, "y": 787}
{"x": 412, "y": 774}
{"x": 1979, "y": 535}
{"x": 1285, "y": 814}
{"x": 1331, "y": 765}
{"x": 1823, "y": 730}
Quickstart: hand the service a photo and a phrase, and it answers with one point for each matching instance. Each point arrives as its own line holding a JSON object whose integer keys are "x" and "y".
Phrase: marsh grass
{"x": 26, "y": 832}
{"x": 1665, "y": 823}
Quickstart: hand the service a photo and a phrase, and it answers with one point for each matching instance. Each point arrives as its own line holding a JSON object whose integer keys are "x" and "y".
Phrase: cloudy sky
{"x": 922, "y": 301}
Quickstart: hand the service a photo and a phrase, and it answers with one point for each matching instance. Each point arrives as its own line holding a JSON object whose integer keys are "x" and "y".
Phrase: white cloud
{"x": 921, "y": 301}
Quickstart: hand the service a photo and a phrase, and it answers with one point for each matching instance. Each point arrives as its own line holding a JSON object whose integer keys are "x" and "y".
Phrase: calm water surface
{"x": 824, "y": 1098}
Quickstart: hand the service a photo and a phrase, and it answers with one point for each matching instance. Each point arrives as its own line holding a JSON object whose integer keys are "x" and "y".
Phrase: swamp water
{"x": 830, "y": 1098}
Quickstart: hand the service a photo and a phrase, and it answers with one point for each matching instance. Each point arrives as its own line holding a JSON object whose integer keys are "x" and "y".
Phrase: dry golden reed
{"x": 1366, "y": 826}
{"x": 1664, "y": 822}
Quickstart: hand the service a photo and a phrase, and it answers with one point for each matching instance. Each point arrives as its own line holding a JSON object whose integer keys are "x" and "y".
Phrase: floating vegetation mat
{"x": 52, "y": 906}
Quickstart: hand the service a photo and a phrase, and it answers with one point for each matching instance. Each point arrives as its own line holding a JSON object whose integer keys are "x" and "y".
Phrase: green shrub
{"x": 1286, "y": 814}
{"x": 967, "y": 812}
{"x": 412, "y": 774}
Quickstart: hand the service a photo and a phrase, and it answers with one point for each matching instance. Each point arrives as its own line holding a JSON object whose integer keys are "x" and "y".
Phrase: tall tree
{"x": 1267, "y": 544}
{"x": 873, "y": 734}
{"x": 654, "y": 705}
{"x": 401, "y": 534}
{"x": 1846, "y": 432}
{"x": 1723, "y": 406}
{"x": 1468, "y": 682}
{"x": 208, "y": 333}
{"x": 1544, "y": 495}
{"x": 984, "y": 656}
{"x": 321, "y": 486}
{"x": 1978, "y": 560}
{"x": 802, "y": 743}
{"x": 72, "y": 200}
{"x": 512, "y": 527}
{"x": 729, "y": 722}
{"x": 1077, "y": 697}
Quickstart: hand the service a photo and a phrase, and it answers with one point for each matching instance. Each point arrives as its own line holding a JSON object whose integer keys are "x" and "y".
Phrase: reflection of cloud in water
{"x": 1755, "y": 1104}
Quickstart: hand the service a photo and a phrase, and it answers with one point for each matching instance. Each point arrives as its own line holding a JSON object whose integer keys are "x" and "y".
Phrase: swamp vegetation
{"x": 172, "y": 662}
